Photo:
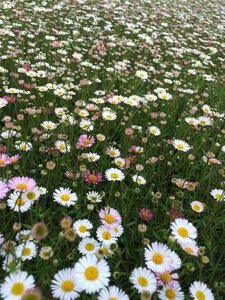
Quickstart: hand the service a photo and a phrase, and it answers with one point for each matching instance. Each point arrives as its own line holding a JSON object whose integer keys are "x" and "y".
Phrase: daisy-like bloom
{"x": 85, "y": 141}
{"x": 48, "y": 125}
{"x": 24, "y": 146}
{"x": 17, "y": 202}
{"x": 154, "y": 130}
{"x": 88, "y": 246}
{"x": 15, "y": 285}
{"x": 204, "y": 121}
{"x": 3, "y": 102}
{"x": 142, "y": 74}
{"x": 15, "y": 158}
{"x": 21, "y": 184}
{"x": 190, "y": 247}
{"x": 166, "y": 278}
{"x": 106, "y": 235}
{"x": 143, "y": 280}
{"x": 86, "y": 125}
{"x": 117, "y": 230}
{"x": 112, "y": 293}
{"x": 3, "y": 189}
{"x": 93, "y": 275}
{"x": 157, "y": 257}
{"x": 62, "y": 146}
{"x": 192, "y": 121}
{"x": 181, "y": 145}
{"x": 197, "y": 206}
{"x": 114, "y": 174}
{"x": 200, "y": 291}
{"x": 175, "y": 261}
{"x": 120, "y": 162}
{"x": 4, "y": 160}
{"x": 140, "y": 180}
{"x": 94, "y": 197}
{"x": 82, "y": 227}
{"x": 32, "y": 195}
{"x": 64, "y": 196}
{"x": 26, "y": 251}
{"x": 113, "y": 152}
{"x": 109, "y": 115}
{"x": 110, "y": 217}
{"x": 11, "y": 263}
{"x": 151, "y": 97}
{"x": 93, "y": 178}
{"x": 218, "y": 194}
{"x": 24, "y": 235}
{"x": 171, "y": 292}
{"x": 165, "y": 96}
{"x": 92, "y": 157}
{"x": 64, "y": 285}
{"x": 145, "y": 214}
{"x": 182, "y": 230}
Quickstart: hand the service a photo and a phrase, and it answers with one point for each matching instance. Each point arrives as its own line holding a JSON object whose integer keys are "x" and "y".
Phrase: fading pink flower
{"x": 93, "y": 178}
{"x": 14, "y": 159}
{"x": 85, "y": 141}
{"x": 4, "y": 160}
{"x": 21, "y": 183}
{"x": 145, "y": 214}
{"x": 3, "y": 189}
{"x": 110, "y": 217}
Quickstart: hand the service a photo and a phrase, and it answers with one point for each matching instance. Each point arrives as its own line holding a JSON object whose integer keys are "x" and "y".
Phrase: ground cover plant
{"x": 112, "y": 150}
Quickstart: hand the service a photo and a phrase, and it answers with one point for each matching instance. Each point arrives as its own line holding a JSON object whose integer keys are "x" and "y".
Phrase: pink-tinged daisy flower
{"x": 85, "y": 141}
{"x": 21, "y": 184}
{"x": 15, "y": 158}
{"x": 3, "y": 189}
{"x": 166, "y": 278}
{"x": 110, "y": 217}
{"x": 93, "y": 178}
{"x": 145, "y": 214}
{"x": 4, "y": 160}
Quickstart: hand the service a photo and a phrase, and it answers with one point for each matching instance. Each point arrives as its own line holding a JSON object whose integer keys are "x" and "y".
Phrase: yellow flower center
{"x": 91, "y": 273}
{"x": 106, "y": 235}
{"x": 157, "y": 258}
{"x": 196, "y": 207}
{"x": 17, "y": 289}
{"x": 183, "y": 232}
{"x": 105, "y": 250}
{"x": 30, "y": 195}
{"x": 2, "y": 162}
{"x": 20, "y": 202}
{"x": 114, "y": 175}
{"x": 165, "y": 277}
{"x": 67, "y": 286}
{"x": 218, "y": 196}
{"x": 180, "y": 146}
{"x": 21, "y": 186}
{"x": 189, "y": 250}
{"x": 89, "y": 246}
{"x": 65, "y": 197}
{"x": 142, "y": 281}
{"x": 170, "y": 294}
{"x": 82, "y": 228}
{"x": 113, "y": 298}
{"x": 26, "y": 252}
{"x": 200, "y": 295}
{"x": 109, "y": 218}
{"x": 62, "y": 147}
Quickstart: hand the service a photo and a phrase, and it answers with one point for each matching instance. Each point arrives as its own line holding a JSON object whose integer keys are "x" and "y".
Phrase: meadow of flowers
{"x": 112, "y": 150}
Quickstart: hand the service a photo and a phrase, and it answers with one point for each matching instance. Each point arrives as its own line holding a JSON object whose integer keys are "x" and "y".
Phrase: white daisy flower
{"x": 204, "y": 121}
{"x": 24, "y": 146}
{"x": 15, "y": 285}
{"x": 64, "y": 285}
{"x": 140, "y": 180}
{"x": 26, "y": 251}
{"x": 94, "y": 197}
{"x": 82, "y": 227}
{"x": 62, "y": 146}
{"x": 11, "y": 263}
{"x": 154, "y": 130}
{"x": 64, "y": 196}
{"x": 143, "y": 280}
{"x": 142, "y": 74}
{"x": 17, "y": 202}
{"x": 92, "y": 157}
{"x": 197, "y": 206}
{"x": 32, "y": 195}
{"x": 182, "y": 230}
{"x": 48, "y": 125}
{"x": 200, "y": 291}
{"x": 88, "y": 246}
{"x": 114, "y": 174}
{"x": 157, "y": 257}
{"x": 109, "y": 115}
{"x": 93, "y": 275}
{"x": 181, "y": 145}
{"x": 218, "y": 194}
{"x": 112, "y": 292}
{"x": 192, "y": 121}
{"x": 106, "y": 235}
{"x": 113, "y": 152}
{"x": 171, "y": 292}
{"x": 86, "y": 125}
{"x": 190, "y": 247}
